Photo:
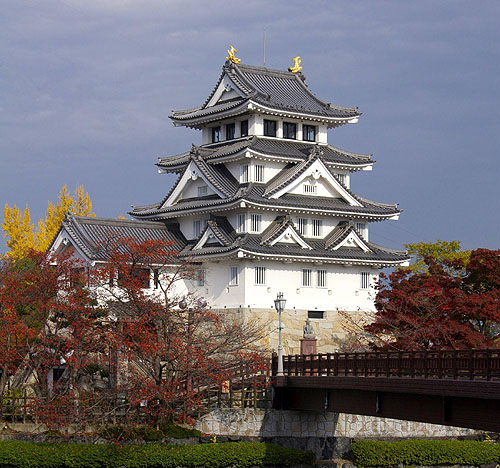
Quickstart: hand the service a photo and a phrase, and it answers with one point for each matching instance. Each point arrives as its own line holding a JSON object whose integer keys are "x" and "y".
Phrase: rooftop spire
{"x": 231, "y": 55}
{"x": 296, "y": 65}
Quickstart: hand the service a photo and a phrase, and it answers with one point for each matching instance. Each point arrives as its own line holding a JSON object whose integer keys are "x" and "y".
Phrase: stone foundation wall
{"x": 271, "y": 423}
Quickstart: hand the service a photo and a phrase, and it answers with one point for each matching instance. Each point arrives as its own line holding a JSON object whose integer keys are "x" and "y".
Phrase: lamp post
{"x": 279, "y": 304}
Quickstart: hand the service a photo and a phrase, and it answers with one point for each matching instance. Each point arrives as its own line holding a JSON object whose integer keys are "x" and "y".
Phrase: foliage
{"x": 424, "y": 452}
{"x": 19, "y": 229}
{"x": 148, "y": 433}
{"x": 240, "y": 454}
{"x": 440, "y": 251}
{"x": 451, "y": 306}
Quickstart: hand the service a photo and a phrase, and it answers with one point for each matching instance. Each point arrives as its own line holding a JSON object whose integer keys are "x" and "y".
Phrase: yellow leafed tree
{"x": 20, "y": 230}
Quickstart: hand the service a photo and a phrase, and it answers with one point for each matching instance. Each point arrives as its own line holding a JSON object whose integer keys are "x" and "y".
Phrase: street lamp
{"x": 279, "y": 304}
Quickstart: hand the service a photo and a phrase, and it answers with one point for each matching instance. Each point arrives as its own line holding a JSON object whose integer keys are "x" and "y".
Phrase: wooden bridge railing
{"x": 470, "y": 364}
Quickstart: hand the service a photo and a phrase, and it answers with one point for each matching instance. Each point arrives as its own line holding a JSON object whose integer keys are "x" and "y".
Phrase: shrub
{"x": 235, "y": 454}
{"x": 424, "y": 452}
{"x": 178, "y": 432}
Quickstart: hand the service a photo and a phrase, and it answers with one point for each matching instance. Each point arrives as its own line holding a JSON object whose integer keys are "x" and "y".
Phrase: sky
{"x": 86, "y": 89}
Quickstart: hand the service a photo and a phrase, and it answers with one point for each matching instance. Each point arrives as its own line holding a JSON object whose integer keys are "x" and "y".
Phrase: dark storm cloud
{"x": 86, "y": 89}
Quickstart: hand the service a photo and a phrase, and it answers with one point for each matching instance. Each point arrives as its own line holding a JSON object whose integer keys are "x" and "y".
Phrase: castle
{"x": 263, "y": 205}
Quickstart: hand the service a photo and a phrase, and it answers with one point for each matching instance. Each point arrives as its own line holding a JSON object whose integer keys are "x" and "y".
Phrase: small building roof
{"x": 94, "y": 237}
{"x": 263, "y": 89}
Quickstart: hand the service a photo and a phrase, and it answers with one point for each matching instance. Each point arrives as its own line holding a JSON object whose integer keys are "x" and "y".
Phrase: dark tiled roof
{"x": 276, "y": 89}
{"x": 95, "y": 236}
{"x": 259, "y": 245}
{"x": 283, "y": 149}
{"x": 278, "y": 227}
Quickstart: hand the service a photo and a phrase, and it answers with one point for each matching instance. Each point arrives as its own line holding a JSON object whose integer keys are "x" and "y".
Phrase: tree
{"x": 440, "y": 251}
{"x": 448, "y": 306}
{"x": 119, "y": 344}
{"x": 19, "y": 230}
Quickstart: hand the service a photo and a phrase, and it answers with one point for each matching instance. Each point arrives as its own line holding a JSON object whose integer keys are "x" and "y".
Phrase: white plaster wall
{"x": 191, "y": 189}
{"x": 329, "y": 224}
{"x": 186, "y": 224}
{"x": 217, "y": 291}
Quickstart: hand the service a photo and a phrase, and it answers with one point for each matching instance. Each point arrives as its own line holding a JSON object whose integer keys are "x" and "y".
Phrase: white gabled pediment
{"x": 207, "y": 236}
{"x": 318, "y": 175}
{"x": 225, "y": 91}
{"x": 290, "y": 236}
{"x": 63, "y": 242}
{"x": 192, "y": 173}
{"x": 353, "y": 240}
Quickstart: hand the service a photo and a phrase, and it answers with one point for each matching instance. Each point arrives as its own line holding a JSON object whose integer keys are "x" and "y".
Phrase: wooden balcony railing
{"x": 470, "y": 364}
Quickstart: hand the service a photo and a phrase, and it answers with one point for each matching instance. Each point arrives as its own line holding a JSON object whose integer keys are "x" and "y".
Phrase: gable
{"x": 321, "y": 182}
{"x": 353, "y": 240}
{"x": 290, "y": 236}
{"x": 225, "y": 91}
{"x": 191, "y": 174}
{"x": 208, "y": 237}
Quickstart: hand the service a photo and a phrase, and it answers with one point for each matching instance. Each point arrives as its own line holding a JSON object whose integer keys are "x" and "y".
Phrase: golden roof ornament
{"x": 230, "y": 55}
{"x": 296, "y": 65}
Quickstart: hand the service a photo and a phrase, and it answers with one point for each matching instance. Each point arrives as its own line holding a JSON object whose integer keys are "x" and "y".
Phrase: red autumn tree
{"x": 175, "y": 347}
{"x": 118, "y": 346}
{"x": 450, "y": 306}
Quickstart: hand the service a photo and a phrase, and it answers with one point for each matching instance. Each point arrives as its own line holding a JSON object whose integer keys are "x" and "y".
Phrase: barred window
{"x": 289, "y": 130}
{"x": 365, "y": 280}
{"x": 361, "y": 228}
{"x": 233, "y": 276}
{"x": 270, "y": 128}
{"x": 230, "y": 129}
{"x": 201, "y": 277}
{"x": 244, "y": 128}
{"x": 244, "y": 173}
{"x": 259, "y": 173}
{"x": 202, "y": 191}
{"x": 302, "y": 226}
{"x": 241, "y": 223}
{"x": 198, "y": 226}
{"x": 342, "y": 178}
{"x": 260, "y": 275}
{"x": 317, "y": 225}
{"x": 321, "y": 278}
{"x": 310, "y": 189}
{"x": 306, "y": 277}
{"x": 308, "y": 132}
{"x": 215, "y": 134}
{"x": 255, "y": 222}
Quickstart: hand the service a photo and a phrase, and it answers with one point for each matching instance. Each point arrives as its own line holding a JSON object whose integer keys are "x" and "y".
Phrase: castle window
{"x": 361, "y": 228}
{"x": 289, "y": 130}
{"x": 270, "y": 128}
{"x": 215, "y": 134}
{"x": 255, "y": 222}
{"x": 310, "y": 189}
{"x": 201, "y": 277}
{"x": 302, "y": 226}
{"x": 202, "y": 190}
{"x": 244, "y": 173}
{"x": 342, "y": 178}
{"x": 233, "y": 276}
{"x": 365, "y": 280}
{"x": 317, "y": 225}
{"x": 244, "y": 128}
{"x": 306, "y": 277}
{"x": 230, "y": 129}
{"x": 315, "y": 314}
{"x": 309, "y": 133}
{"x": 321, "y": 278}
{"x": 198, "y": 226}
{"x": 156, "y": 278}
{"x": 259, "y": 173}
{"x": 241, "y": 224}
{"x": 260, "y": 275}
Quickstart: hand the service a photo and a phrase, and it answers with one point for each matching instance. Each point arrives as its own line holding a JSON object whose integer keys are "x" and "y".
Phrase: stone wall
{"x": 251, "y": 422}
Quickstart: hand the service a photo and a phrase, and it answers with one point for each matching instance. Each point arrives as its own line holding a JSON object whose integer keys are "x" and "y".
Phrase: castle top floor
{"x": 250, "y": 100}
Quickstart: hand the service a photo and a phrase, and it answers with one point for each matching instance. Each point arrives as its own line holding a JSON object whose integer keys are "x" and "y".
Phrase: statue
{"x": 296, "y": 65}
{"x": 230, "y": 55}
{"x": 308, "y": 330}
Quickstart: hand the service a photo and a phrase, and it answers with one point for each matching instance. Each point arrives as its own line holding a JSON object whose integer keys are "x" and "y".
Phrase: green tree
{"x": 440, "y": 251}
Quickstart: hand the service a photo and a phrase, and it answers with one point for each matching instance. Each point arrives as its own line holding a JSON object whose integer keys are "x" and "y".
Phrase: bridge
{"x": 454, "y": 388}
